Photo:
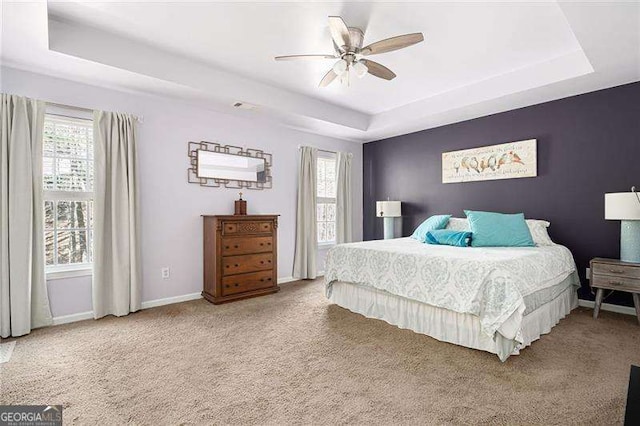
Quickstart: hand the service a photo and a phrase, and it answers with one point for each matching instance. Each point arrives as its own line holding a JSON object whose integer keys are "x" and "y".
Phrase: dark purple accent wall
{"x": 587, "y": 145}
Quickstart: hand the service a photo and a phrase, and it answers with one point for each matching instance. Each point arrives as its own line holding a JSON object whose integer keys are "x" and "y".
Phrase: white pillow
{"x": 538, "y": 229}
{"x": 458, "y": 224}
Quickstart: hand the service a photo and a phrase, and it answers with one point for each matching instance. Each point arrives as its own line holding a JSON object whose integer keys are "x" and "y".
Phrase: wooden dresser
{"x": 613, "y": 274}
{"x": 240, "y": 257}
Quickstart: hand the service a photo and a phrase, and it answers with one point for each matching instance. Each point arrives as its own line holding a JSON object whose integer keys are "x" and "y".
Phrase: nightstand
{"x": 612, "y": 274}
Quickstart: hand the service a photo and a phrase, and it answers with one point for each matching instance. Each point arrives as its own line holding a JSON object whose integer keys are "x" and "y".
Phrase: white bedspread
{"x": 490, "y": 283}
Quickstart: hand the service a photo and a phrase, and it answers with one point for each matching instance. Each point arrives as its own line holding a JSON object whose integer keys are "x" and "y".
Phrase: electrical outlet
{"x": 588, "y": 273}
{"x": 166, "y": 273}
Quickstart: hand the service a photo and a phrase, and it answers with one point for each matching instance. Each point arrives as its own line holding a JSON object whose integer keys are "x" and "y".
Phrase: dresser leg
{"x": 596, "y": 307}
{"x": 636, "y": 302}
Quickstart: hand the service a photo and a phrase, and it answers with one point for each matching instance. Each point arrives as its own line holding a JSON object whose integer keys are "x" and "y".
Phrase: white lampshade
{"x": 621, "y": 206}
{"x": 388, "y": 209}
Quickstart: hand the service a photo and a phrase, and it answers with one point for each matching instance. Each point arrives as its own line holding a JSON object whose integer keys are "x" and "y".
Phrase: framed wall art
{"x": 504, "y": 161}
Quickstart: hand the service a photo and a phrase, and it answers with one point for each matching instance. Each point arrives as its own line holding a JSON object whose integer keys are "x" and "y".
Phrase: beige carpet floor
{"x": 294, "y": 358}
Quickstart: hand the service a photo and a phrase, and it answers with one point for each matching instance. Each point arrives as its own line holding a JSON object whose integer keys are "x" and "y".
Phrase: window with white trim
{"x": 326, "y": 198}
{"x": 68, "y": 192}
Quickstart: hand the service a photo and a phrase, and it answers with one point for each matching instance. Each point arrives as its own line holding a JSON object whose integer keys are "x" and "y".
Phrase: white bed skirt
{"x": 449, "y": 326}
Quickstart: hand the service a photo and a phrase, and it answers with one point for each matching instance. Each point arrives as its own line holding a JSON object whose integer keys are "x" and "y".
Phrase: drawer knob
{"x": 261, "y": 244}
{"x": 269, "y": 261}
{"x": 235, "y": 246}
{"x": 268, "y": 244}
{"x": 236, "y": 265}
{"x": 227, "y": 266}
{"x": 268, "y": 279}
{"x": 226, "y": 286}
{"x": 262, "y": 261}
{"x": 261, "y": 279}
{"x": 236, "y": 284}
{"x": 226, "y": 247}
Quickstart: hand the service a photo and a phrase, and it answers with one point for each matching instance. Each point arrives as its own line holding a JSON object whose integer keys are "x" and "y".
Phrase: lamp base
{"x": 629, "y": 241}
{"x": 389, "y": 228}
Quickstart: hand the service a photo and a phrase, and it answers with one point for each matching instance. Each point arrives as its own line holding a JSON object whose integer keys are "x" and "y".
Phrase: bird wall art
{"x": 503, "y": 161}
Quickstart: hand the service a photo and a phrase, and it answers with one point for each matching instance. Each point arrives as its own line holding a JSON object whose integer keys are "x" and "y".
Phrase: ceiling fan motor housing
{"x": 357, "y": 38}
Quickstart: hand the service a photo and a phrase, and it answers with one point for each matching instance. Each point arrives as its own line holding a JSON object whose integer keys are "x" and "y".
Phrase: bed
{"x": 495, "y": 299}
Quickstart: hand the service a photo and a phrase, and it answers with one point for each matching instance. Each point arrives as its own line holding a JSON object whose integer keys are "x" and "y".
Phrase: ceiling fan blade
{"x": 339, "y": 32}
{"x": 293, "y": 57}
{"x": 378, "y": 70}
{"x": 328, "y": 78}
{"x": 391, "y": 44}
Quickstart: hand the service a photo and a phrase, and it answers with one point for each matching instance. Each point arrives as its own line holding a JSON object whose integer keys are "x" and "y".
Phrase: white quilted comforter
{"x": 490, "y": 283}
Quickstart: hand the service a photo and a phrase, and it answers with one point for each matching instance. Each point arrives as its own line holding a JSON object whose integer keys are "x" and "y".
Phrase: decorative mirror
{"x": 215, "y": 165}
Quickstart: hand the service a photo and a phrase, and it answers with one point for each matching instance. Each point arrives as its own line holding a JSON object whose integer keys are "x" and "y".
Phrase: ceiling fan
{"x": 347, "y": 42}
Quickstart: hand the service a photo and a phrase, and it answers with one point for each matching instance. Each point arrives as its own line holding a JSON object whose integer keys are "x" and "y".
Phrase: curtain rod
{"x": 326, "y": 150}
{"x": 139, "y": 119}
{"x": 321, "y": 150}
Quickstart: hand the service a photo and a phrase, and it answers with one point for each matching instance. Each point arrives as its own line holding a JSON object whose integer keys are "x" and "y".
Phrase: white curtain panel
{"x": 116, "y": 270}
{"x": 304, "y": 264}
{"x": 24, "y": 303}
{"x": 343, "y": 199}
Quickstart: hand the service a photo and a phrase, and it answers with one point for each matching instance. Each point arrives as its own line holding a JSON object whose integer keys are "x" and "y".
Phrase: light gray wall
{"x": 171, "y": 207}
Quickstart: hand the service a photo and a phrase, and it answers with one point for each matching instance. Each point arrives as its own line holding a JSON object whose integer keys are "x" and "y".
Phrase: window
{"x": 68, "y": 192}
{"x": 326, "y": 193}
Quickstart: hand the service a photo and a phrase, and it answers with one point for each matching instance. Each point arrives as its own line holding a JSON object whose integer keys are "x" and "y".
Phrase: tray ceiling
{"x": 477, "y": 58}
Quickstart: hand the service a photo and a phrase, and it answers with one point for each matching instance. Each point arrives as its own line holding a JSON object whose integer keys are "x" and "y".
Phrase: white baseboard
{"x": 171, "y": 300}
{"x": 66, "y": 319}
{"x": 628, "y": 310}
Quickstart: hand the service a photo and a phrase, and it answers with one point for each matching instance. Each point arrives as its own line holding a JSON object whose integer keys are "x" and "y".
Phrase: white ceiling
{"x": 477, "y": 59}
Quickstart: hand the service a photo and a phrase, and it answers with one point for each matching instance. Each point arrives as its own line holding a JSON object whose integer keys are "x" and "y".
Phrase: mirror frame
{"x": 192, "y": 171}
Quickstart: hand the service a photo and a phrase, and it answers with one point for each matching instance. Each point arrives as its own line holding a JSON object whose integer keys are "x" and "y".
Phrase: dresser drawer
{"x": 232, "y": 246}
{"x": 616, "y": 283}
{"x": 246, "y": 263}
{"x": 246, "y": 227}
{"x": 616, "y": 270}
{"x": 240, "y": 283}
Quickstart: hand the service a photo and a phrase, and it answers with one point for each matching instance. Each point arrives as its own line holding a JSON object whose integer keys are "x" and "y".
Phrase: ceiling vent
{"x": 245, "y": 105}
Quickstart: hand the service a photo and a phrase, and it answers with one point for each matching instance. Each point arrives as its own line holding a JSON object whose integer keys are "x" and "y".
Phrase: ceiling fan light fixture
{"x": 361, "y": 69}
{"x": 340, "y": 67}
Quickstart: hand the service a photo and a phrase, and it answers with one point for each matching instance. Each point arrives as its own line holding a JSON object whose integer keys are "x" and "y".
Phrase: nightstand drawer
{"x": 616, "y": 283}
{"x": 613, "y": 274}
{"x": 616, "y": 270}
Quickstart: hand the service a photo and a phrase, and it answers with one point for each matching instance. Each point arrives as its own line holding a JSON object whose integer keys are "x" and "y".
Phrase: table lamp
{"x": 625, "y": 206}
{"x": 389, "y": 210}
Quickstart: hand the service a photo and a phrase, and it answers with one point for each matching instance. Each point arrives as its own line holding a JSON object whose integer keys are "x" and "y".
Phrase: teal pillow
{"x": 449, "y": 237}
{"x": 499, "y": 230}
{"x": 431, "y": 224}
